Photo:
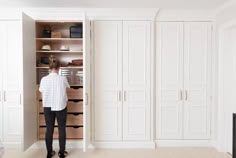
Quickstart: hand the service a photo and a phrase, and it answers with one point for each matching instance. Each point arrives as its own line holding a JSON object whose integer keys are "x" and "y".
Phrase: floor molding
{"x": 183, "y": 143}
{"x": 12, "y": 145}
{"x": 125, "y": 144}
{"x": 69, "y": 144}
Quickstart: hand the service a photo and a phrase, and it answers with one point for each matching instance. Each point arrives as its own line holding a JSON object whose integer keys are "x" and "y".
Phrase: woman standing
{"x": 53, "y": 89}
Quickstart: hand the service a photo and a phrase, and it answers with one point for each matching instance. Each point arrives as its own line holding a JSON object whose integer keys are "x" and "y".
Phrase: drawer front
{"x": 42, "y": 132}
{"x": 42, "y": 120}
{"x": 72, "y": 120}
{"x": 71, "y": 133}
{"x": 71, "y": 106}
{"x": 40, "y": 106}
{"x": 71, "y": 93}
{"x": 39, "y": 95}
{"x": 74, "y": 106}
{"x": 75, "y": 93}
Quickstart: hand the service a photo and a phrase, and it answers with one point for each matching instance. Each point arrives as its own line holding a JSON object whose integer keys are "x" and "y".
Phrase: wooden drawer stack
{"x": 74, "y": 123}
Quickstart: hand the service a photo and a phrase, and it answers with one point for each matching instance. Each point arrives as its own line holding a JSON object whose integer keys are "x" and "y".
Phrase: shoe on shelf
{"x": 62, "y": 155}
{"x": 51, "y": 154}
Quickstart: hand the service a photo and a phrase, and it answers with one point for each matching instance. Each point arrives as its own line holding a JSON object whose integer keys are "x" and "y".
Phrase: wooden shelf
{"x": 72, "y": 86}
{"x": 74, "y": 126}
{"x": 59, "y": 39}
{"x": 58, "y": 51}
{"x": 68, "y": 67}
{"x": 76, "y": 85}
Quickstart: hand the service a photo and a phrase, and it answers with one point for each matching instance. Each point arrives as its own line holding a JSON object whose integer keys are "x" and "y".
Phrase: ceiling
{"x": 164, "y": 4}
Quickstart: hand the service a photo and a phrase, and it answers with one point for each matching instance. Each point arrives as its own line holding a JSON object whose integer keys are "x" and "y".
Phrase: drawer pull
{"x": 124, "y": 95}
{"x": 186, "y": 95}
{"x": 119, "y": 95}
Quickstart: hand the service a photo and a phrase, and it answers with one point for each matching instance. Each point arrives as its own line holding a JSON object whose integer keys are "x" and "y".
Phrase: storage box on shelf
{"x": 53, "y": 38}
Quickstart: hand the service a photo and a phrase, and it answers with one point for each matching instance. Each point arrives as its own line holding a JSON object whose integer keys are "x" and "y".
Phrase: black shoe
{"x": 51, "y": 154}
{"x": 62, "y": 155}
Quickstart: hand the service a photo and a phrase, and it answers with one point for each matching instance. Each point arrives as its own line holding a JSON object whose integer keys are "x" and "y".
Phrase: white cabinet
{"x": 122, "y": 80}
{"x": 1, "y": 97}
{"x": 79, "y": 49}
{"x": 86, "y": 84}
{"x": 169, "y": 80}
{"x": 108, "y": 79}
{"x": 11, "y": 82}
{"x": 136, "y": 80}
{"x": 183, "y": 80}
{"x": 197, "y": 80}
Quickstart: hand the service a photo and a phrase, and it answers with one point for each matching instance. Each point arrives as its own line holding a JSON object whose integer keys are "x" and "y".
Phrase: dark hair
{"x": 53, "y": 63}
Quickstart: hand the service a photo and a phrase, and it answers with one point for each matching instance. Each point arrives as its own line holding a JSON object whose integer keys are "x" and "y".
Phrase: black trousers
{"x": 50, "y": 121}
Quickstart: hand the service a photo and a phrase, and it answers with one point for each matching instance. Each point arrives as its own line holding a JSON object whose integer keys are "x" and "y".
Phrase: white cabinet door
{"x": 197, "y": 51}
{"x": 169, "y": 75}
{"x": 12, "y": 82}
{"x": 136, "y": 80}
{"x": 86, "y": 84}
{"x": 29, "y": 83}
{"x": 108, "y": 79}
{"x": 2, "y": 45}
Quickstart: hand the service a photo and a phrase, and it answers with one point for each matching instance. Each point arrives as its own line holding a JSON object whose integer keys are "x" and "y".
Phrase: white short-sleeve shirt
{"x": 53, "y": 89}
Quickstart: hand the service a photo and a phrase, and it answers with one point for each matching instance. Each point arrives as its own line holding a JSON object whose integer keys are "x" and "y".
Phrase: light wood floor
{"x": 162, "y": 152}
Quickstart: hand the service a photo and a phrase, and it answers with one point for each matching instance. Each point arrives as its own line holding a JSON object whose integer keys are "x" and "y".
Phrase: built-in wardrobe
{"x": 183, "y": 80}
{"x": 122, "y": 101}
{"x": 11, "y": 81}
{"x": 24, "y": 56}
{"x": 141, "y": 81}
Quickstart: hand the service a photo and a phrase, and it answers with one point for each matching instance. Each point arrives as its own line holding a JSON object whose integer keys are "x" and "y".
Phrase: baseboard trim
{"x": 12, "y": 145}
{"x": 184, "y": 143}
{"x": 124, "y": 144}
{"x": 70, "y": 144}
{"x": 214, "y": 144}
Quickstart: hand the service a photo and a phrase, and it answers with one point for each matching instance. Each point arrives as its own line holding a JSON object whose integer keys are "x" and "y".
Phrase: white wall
{"x": 10, "y": 14}
{"x": 226, "y": 97}
{"x": 226, "y": 12}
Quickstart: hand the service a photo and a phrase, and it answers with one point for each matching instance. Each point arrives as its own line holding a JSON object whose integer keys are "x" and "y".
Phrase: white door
{"x": 12, "y": 81}
{"x": 29, "y": 82}
{"x": 2, "y": 45}
{"x": 136, "y": 80}
{"x": 228, "y": 59}
{"x": 86, "y": 83}
{"x": 169, "y": 75}
{"x": 197, "y": 56}
{"x": 108, "y": 79}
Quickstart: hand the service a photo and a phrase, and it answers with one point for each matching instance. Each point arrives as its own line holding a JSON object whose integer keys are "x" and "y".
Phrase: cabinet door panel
{"x": 197, "y": 80}
{"x": 169, "y": 80}
{"x": 29, "y": 84}
{"x": 12, "y": 71}
{"x": 86, "y": 82}
{"x": 12, "y": 82}
{"x": 136, "y": 80}
{"x": 108, "y": 80}
{"x": 3, "y": 49}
